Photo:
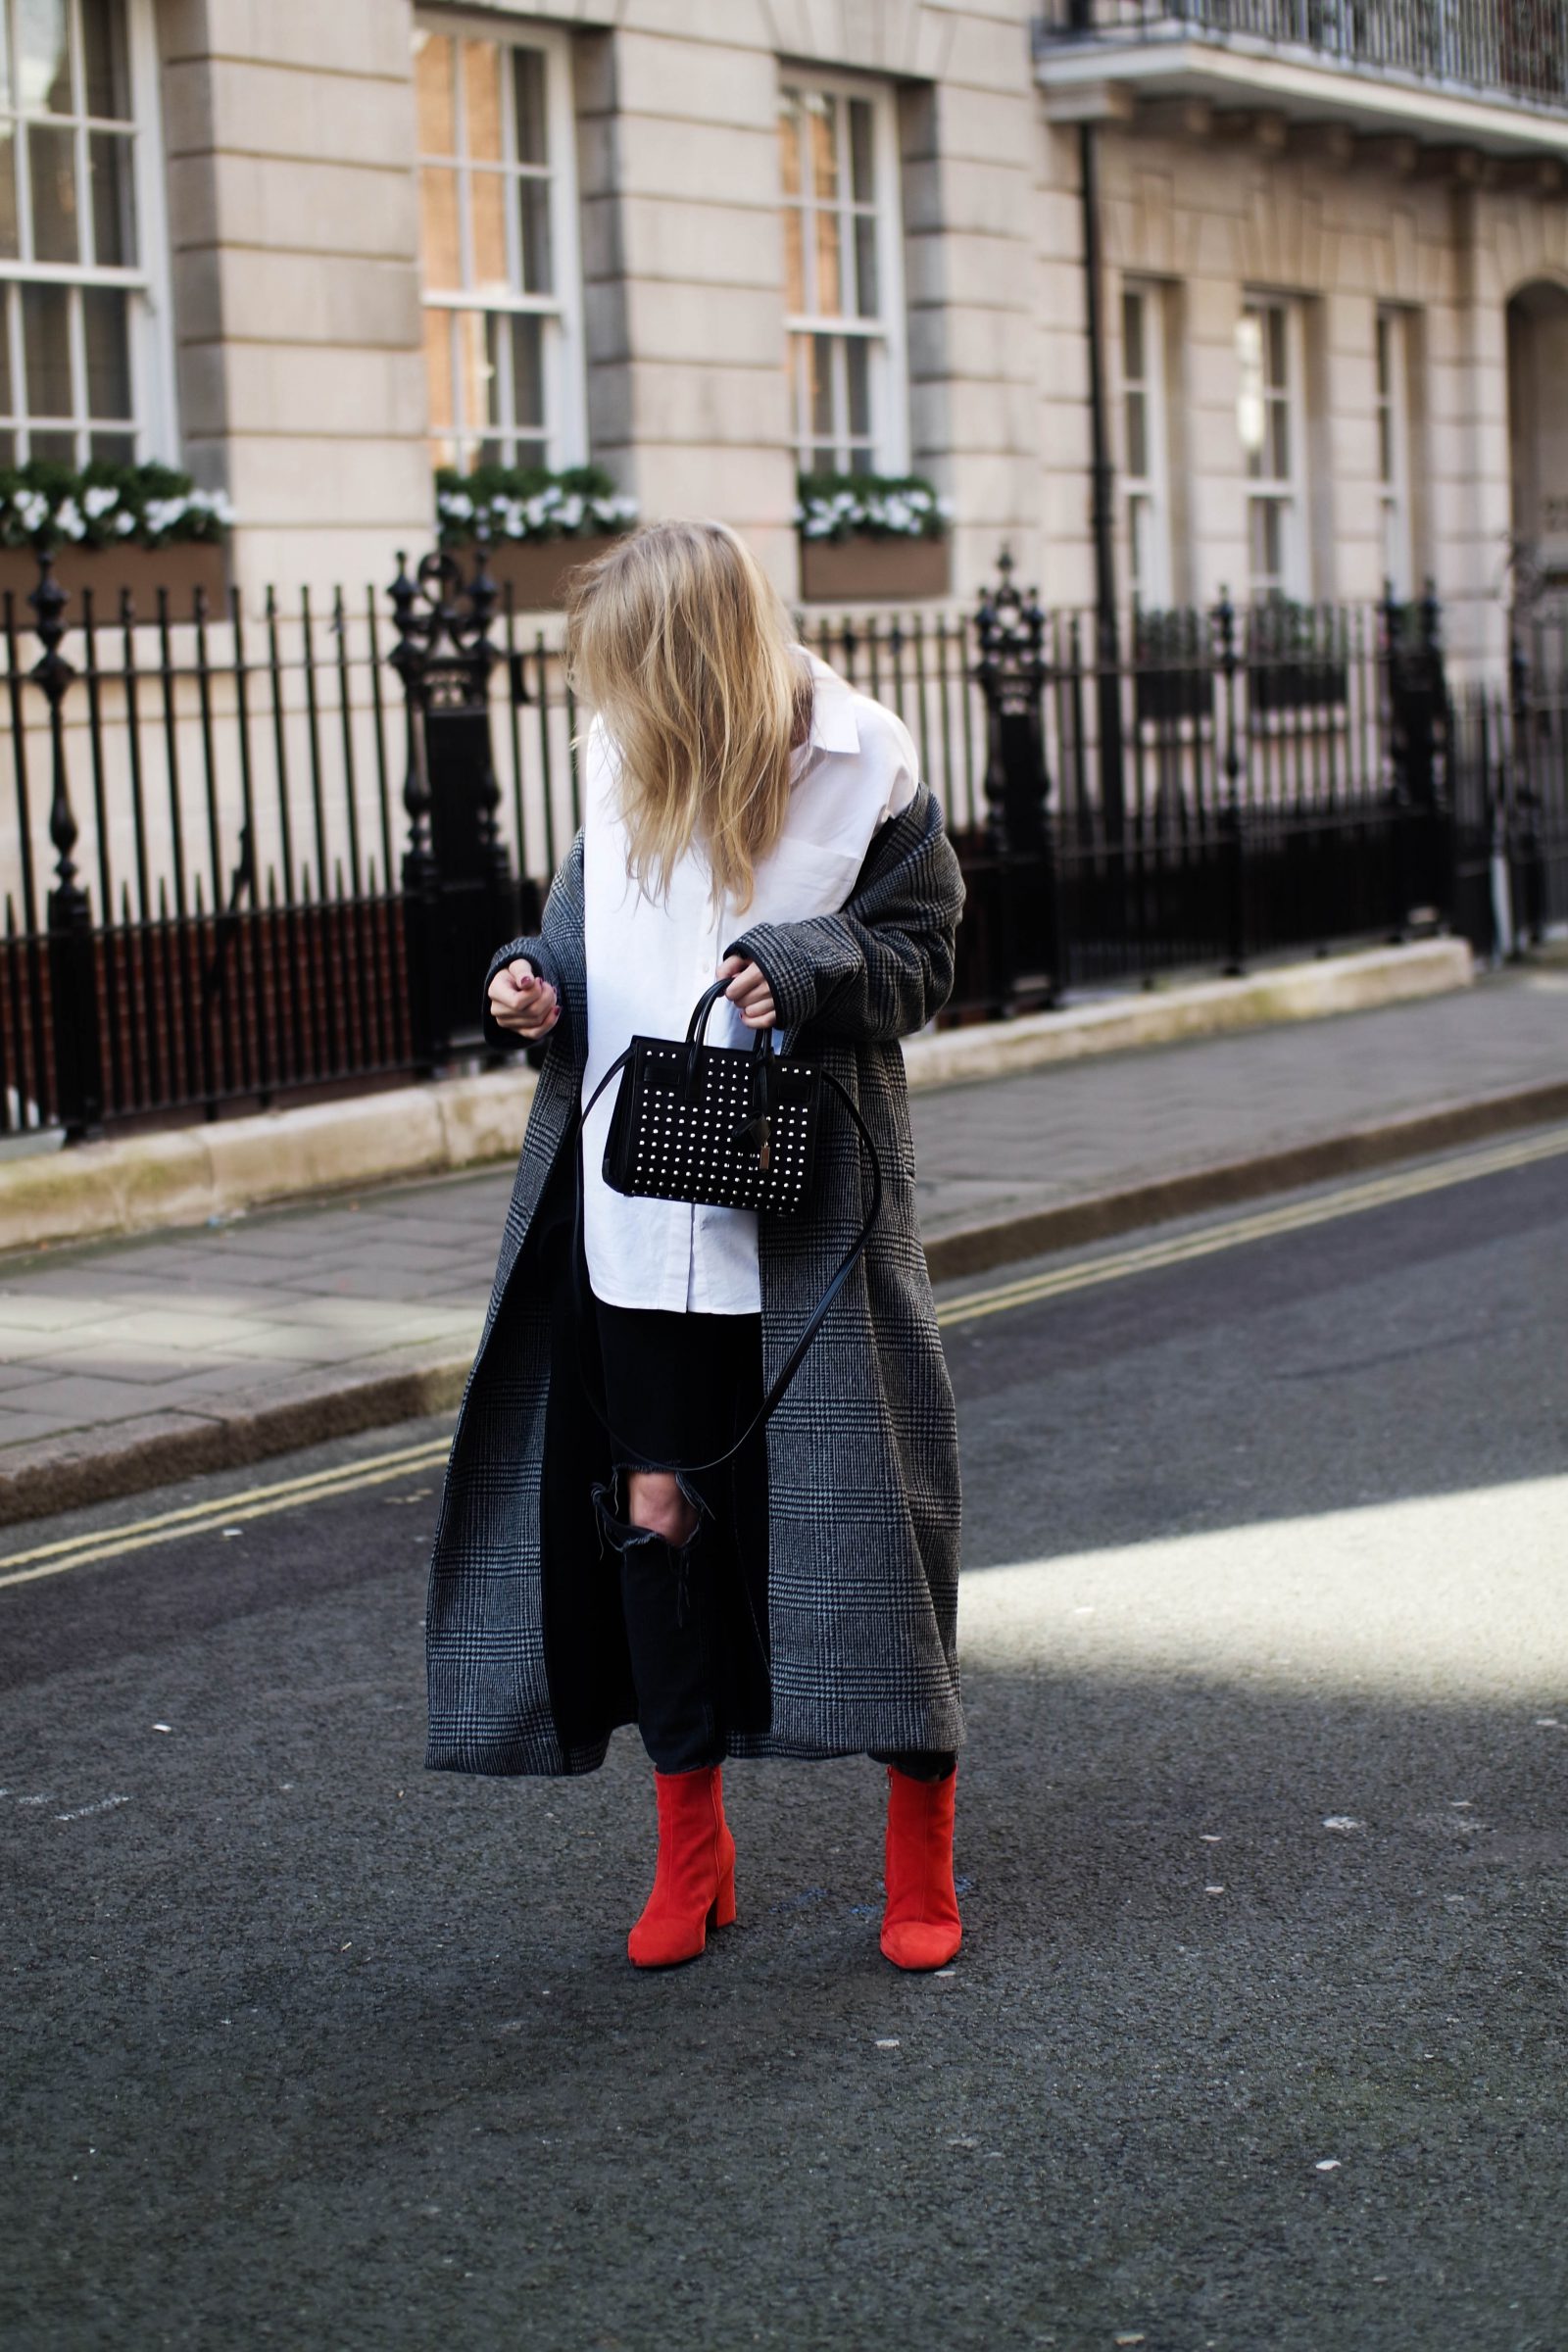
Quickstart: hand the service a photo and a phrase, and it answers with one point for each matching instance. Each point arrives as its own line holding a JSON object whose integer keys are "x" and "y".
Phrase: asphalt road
{"x": 1256, "y": 2039}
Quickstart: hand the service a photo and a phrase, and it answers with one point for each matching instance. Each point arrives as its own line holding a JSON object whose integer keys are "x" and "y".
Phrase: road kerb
{"x": 1070, "y": 1224}
{"x": 103, "y": 1465}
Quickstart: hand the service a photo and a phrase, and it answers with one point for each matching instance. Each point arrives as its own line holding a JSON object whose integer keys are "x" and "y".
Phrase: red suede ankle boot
{"x": 920, "y": 1926}
{"x": 694, "y": 1881}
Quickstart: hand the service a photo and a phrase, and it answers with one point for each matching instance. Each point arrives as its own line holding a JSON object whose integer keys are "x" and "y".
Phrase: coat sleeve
{"x": 533, "y": 949}
{"x": 883, "y": 965}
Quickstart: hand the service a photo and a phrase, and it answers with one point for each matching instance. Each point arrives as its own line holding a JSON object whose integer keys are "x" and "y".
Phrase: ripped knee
{"x": 657, "y": 1500}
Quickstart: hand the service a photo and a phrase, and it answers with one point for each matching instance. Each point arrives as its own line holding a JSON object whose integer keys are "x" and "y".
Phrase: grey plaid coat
{"x": 862, "y": 1460}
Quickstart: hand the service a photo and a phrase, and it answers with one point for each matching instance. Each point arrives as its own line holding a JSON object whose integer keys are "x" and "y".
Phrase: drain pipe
{"x": 1103, "y": 498}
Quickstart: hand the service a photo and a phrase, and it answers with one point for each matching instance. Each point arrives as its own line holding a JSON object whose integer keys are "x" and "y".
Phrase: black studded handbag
{"x": 733, "y": 1127}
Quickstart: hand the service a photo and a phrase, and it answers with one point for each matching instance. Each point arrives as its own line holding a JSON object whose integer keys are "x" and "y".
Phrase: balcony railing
{"x": 1516, "y": 49}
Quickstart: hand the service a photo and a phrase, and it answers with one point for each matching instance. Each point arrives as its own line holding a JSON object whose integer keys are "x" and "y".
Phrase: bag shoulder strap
{"x": 797, "y": 1355}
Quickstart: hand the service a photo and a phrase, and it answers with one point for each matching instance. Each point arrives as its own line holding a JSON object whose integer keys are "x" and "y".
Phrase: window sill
{"x": 892, "y": 571}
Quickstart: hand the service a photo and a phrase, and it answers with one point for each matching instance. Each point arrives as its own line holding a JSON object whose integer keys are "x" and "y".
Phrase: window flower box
{"x": 111, "y": 572}
{"x": 539, "y": 570}
{"x": 112, "y": 530}
{"x": 873, "y": 571}
{"x": 872, "y": 538}
{"x": 539, "y": 526}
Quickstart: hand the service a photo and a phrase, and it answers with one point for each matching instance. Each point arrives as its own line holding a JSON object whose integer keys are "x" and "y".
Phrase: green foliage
{"x": 529, "y": 501}
{"x": 43, "y": 503}
{"x": 870, "y": 506}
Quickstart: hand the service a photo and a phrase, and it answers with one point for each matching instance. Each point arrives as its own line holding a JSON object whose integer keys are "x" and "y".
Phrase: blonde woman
{"x": 746, "y": 814}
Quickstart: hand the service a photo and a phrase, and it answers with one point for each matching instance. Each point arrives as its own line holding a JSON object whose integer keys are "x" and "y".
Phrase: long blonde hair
{"x": 680, "y": 643}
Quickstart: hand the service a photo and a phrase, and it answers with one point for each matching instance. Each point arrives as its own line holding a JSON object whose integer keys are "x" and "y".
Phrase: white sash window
{"x": 83, "y": 359}
{"x": 497, "y": 201}
{"x": 1146, "y": 444}
{"x": 843, "y": 276}
{"x": 1271, "y": 420}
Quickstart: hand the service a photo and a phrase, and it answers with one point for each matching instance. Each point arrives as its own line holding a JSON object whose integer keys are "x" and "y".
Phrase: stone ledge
{"x": 147, "y": 1183}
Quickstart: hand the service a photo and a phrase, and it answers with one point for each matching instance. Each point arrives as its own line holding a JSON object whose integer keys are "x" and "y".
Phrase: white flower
{"x": 98, "y": 501}
{"x": 68, "y": 516}
{"x": 458, "y": 504}
{"x": 537, "y": 509}
{"x": 32, "y": 508}
{"x": 125, "y": 522}
{"x": 572, "y": 512}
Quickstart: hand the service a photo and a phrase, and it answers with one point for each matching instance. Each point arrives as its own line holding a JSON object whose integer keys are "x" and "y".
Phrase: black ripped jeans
{"x": 680, "y": 1388}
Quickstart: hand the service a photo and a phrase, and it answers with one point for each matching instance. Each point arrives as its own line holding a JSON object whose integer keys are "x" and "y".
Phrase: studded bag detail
{"x": 732, "y": 1127}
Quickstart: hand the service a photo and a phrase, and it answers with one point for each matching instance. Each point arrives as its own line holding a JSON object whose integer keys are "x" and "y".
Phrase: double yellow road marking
{"x": 1055, "y": 1282}
{"x": 231, "y": 1510}
{"x": 1379, "y": 1192}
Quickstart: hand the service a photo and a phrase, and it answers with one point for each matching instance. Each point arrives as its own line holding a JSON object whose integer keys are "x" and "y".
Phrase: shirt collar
{"x": 833, "y": 727}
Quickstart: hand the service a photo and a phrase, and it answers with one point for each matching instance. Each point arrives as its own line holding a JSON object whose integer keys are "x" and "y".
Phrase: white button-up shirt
{"x": 649, "y": 961}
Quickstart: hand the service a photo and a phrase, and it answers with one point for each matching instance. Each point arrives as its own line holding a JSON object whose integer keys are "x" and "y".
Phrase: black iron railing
{"x": 1510, "y": 48}
{"x": 251, "y": 859}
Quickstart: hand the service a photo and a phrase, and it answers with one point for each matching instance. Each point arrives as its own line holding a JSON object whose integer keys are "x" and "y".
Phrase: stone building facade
{"x": 704, "y": 242}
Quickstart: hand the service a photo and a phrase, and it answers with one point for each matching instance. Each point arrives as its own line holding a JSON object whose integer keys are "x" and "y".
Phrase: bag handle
{"x": 839, "y": 1277}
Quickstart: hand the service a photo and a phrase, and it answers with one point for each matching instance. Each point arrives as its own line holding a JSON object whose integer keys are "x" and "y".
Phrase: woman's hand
{"x": 749, "y": 991}
{"x": 519, "y": 1001}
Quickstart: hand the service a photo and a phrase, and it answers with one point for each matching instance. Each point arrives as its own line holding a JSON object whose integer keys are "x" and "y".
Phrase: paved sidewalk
{"x": 122, "y": 1363}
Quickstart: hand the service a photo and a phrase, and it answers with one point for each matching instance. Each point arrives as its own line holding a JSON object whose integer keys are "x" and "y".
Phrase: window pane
{"x": 55, "y": 449}
{"x": 533, "y": 449}
{"x": 821, "y": 125}
{"x": 114, "y": 210}
{"x": 1385, "y": 444}
{"x": 798, "y": 361}
{"x": 495, "y": 328}
{"x": 438, "y": 382}
{"x": 5, "y": 409}
{"x": 475, "y": 370}
{"x": 114, "y": 449}
{"x": 482, "y": 95}
{"x": 5, "y": 58}
{"x": 527, "y": 372}
{"x": 858, "y": 357}
{"x": 534, "y": 204}
{"x": 1384, "y": 369}
{"x": 1277, "y": 454}
{"x": 529, "y": 97}
{"x": 103, "y": 34}
{"x": 441, "y": 253}
{"x": 1251, "y": 422}
{"x": 1137, "y": 436}
{"x": 43, "y": 57}
{"x": 829, "y": 284}
{"x": 862, "y": 182}
{"x": 52, "y": 171}
{"x": 1268, "y": 542}
{"x": 821, "y": 386}
{"x": 868, "y": 293}
{"x": 1277, "y": 377}
{"x": 106, "y": 322}
{"x": 8, "y": 449}
{"x": 1138, "y": 519}
{"x": 46, "y": 341}
{"x": 1131, "y": 337}
{"x": 433, "y": 86}
{"x": 793, "y": 262}
{"x": 487, "y": 231}
{"x": 8, "y": 190}
{"x": 789, "y": 142}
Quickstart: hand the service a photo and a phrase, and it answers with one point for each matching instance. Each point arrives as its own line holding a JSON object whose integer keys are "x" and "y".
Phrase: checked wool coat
{"x": 862, "y": 1455}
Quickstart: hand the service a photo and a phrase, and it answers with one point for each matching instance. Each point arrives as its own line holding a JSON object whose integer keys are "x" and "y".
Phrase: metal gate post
{"x": 460, "y": 894}
{"x": 1012, "y": 672}
{"x": 1232, "y": 837}
{"x": 1418, "y": 742}
{"x": 72, "y": 954}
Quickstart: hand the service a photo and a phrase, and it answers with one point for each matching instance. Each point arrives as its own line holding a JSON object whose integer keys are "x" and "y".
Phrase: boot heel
{"x": 722, "y": 1911}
